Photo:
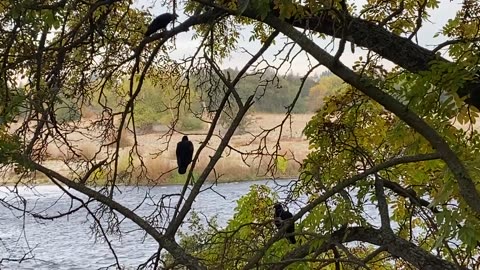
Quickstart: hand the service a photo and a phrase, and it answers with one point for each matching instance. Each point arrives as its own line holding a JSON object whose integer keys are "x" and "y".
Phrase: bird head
{"x": 185, "y": 138}
{"x": 278, "y": 206}
{"x": 173, "y": 16}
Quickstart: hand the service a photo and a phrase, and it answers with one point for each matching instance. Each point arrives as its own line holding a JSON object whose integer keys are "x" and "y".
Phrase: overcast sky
{"x": 185, "y": 45}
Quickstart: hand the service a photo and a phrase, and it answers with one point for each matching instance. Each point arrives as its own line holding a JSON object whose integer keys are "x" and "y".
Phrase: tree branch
{"x": 336, "y": 189}
{"x": 466, "y": 186}
{"x": 168, "y": 243}
{"x": 388, "y": 242}
{"x": 407, "y": 193}
{"x": 382, "y": 205}
{"x": 399, "y": 50}
{"x": 243, "y": 108}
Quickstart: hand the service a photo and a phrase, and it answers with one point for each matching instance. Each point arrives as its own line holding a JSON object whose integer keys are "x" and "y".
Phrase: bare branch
{"x": 168, "y": 243}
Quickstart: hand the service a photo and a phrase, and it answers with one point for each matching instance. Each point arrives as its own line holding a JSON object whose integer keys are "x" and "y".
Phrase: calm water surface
{"x": 67, "y": 243}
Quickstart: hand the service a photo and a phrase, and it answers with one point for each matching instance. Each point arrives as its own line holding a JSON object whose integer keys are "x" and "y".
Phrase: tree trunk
{"x": 392, "y": 244}
{"x": 397, "y": 49}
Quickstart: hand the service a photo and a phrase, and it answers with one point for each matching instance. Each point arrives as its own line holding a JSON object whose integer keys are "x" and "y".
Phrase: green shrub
{"x": 180, "y": 179}
{"x": 190, "y": 122}
{"x": 67, "y": 111}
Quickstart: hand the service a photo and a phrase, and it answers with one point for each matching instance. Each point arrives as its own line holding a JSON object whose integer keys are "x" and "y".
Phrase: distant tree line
{"x": 273, "y": 94}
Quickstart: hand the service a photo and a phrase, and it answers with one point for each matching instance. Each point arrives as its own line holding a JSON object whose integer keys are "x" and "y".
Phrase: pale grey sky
{"x": 185, "y": 45}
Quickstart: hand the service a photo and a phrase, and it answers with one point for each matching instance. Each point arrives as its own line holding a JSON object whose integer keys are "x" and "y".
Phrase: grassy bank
{"x": 154, "y": 161}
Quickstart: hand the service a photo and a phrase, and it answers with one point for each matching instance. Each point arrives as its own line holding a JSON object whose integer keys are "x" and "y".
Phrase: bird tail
{"x": 182, "y": 170}
{"x": 292, "y": 239}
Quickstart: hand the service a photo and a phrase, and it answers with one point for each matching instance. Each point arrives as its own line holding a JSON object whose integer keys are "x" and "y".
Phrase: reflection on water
{"x": 67, "y": 242}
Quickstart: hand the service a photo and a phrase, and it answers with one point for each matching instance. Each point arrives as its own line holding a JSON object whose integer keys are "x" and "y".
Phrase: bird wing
{"x": 158, "y": 23}
{"x": 286, "y": 215}
{"x": 278, "y": 222}
{"x": 178, "y": 153}
{"x": 277, "y": 218}
{"x": 190, "y": 151}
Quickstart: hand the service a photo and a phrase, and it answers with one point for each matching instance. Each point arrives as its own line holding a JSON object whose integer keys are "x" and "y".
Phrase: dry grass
{"x": 83, "y": 151}
{"x": 231, "y": 166}
{"x": 291, "y": 129}
{"x": 161, "y": 168}
{"x": 87, "y": 151}
{"x": 126, "y": 139}
{"x": 55, "y": 152}
{"x": 88, "y": 113}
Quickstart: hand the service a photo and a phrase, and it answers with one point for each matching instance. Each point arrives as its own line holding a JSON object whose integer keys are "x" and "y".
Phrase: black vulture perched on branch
{"x": 184, "y": 154}
{"x": 279, "y": 218}
{"x": 160, "y": 22}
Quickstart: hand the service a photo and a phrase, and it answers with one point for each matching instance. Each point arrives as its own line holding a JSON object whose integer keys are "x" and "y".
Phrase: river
{"x": 67, "y": 242}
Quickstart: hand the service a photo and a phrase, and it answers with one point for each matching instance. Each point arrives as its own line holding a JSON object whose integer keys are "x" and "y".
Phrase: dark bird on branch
{"x": 279, "y": 218}
{"x": 160, "y": 22}
{"x": 184, "y": 154}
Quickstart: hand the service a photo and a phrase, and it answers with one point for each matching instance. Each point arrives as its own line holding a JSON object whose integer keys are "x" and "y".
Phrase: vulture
{"x": 184, "y": 154}
{"x": 279, "y": 218}
{"x": 160, "y": 22}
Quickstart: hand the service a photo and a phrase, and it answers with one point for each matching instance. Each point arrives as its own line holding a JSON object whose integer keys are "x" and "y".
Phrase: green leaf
{"x": 444, "y": 194}
{"x": 282, "y": 164}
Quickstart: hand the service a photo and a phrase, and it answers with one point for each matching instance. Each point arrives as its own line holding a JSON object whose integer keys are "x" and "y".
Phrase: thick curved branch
{"x": 389, "y": 242}
{"x": 466, "y": 186}
{"x": 168, "y": 243}
{"x": 399, "y": 50}
{"x": 336, "y": 189}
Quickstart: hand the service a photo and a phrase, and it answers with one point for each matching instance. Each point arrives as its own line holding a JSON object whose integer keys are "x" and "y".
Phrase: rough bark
{"x": 396, "y": 246}
{"x": 399, "y": 50}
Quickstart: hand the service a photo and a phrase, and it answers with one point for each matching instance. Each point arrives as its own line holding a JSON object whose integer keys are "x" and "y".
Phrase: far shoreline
{"x": 163, "y": 184}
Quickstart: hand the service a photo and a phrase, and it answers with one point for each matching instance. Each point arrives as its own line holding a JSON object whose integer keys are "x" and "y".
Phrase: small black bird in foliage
{"x": 279, "y": 218}
{"x": 184, "y": 154}
{"x": 160, "y": 22}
